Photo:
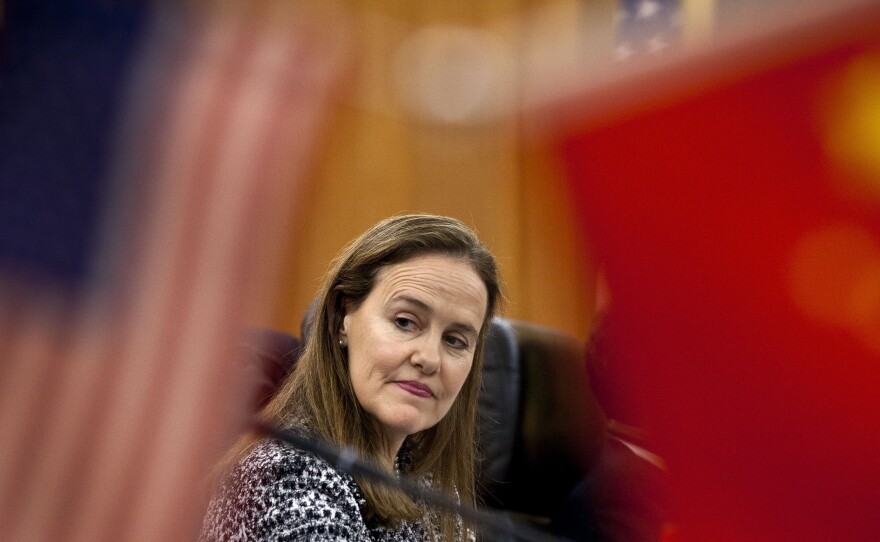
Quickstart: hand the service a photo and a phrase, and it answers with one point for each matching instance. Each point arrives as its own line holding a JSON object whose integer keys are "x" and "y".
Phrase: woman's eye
{"x": 404, "y": 323}
{"x": 455, "y": 342}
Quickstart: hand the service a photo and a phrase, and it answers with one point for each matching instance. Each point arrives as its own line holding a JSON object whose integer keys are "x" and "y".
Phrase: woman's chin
{"x": 401, "y": 426}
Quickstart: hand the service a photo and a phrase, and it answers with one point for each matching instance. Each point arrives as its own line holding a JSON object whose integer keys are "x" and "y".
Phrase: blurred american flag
{"x": 119, "y": 393}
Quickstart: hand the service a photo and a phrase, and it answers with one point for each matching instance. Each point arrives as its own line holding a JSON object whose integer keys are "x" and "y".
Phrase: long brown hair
{"x": 319, "y": 393}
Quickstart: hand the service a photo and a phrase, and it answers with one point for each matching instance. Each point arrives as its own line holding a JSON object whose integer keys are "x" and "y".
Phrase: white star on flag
{"x": 646, "y": 27}
{"x": 647, "y": 9}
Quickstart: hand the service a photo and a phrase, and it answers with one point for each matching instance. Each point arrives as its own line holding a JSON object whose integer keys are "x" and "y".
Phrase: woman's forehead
{"x": 433, "y": 279}
{"x": 431, "y": 270}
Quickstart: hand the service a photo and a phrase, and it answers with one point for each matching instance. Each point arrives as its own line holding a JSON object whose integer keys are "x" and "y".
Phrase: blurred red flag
{"x": 735, "y": 204}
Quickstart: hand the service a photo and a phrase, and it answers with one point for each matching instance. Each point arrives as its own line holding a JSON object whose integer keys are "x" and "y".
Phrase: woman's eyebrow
{"x": 414, "y": 301}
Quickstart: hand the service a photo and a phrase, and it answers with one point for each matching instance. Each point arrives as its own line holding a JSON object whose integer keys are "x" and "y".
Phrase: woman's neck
{"x": 391, "y": 447}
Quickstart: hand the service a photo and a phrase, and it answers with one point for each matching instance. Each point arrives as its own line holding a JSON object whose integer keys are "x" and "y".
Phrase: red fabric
{"x": 733, "y": 248}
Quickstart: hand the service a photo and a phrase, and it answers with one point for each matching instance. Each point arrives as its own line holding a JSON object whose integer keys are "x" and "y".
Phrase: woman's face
{"x": 411, "y": 342}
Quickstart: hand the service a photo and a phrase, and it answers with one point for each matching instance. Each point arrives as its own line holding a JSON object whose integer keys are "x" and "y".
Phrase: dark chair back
{"x": 558, "y": 425}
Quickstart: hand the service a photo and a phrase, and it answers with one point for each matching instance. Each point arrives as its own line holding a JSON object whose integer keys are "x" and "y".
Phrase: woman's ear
{"x": 343, "y": 332}
{"x": 344, "y": 326}
{"x": 343, "y": 329}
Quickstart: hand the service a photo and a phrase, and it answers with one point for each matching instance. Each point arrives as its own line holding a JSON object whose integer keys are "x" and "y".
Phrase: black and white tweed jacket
{"x": 279, "y": 493}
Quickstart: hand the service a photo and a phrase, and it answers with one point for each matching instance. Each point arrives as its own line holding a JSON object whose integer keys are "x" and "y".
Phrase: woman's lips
{"x": 415, "y": 388}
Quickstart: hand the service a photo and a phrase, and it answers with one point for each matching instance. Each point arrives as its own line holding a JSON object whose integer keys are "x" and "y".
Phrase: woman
{"x": 392, "y": 369}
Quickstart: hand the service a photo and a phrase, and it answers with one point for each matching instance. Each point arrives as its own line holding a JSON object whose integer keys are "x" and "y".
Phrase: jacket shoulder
{"x": 281, "y": 493}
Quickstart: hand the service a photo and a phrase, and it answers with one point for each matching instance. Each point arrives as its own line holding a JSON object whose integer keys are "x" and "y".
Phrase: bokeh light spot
{"x": 852, "y": 131}
{"x": 835, "y": 279}
{"x": 455, "y": 74}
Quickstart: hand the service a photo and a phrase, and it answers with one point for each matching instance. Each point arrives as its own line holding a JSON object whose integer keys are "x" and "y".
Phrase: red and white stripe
{"x": 113, "y": 411}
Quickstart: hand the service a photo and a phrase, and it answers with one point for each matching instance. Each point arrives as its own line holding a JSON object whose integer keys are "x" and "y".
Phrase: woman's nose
{"x": 427, "y": 355}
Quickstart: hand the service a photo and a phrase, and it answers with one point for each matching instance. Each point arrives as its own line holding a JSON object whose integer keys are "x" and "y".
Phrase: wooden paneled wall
{"x": 381, "y": 156}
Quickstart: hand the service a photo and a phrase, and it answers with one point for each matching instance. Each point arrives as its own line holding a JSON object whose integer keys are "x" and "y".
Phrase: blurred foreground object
{"x": 115, "y": 402}
{"x": 733, "y": 196}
